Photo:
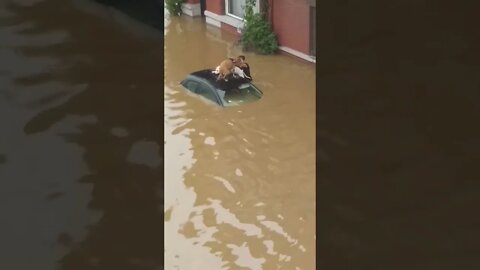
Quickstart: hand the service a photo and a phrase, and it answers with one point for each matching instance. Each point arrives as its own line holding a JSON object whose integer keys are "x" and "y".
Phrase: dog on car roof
{"x": 225, "y": 69}
{"x": 232, "y": 67}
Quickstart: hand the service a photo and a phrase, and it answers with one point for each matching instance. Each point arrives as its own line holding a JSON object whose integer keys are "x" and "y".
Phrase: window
{"x": 236, "y": 8}
{"x": 191, "y": 85}
{"x": 201, "y": 89}
{"x": 242, "y": 94}
{"x": 206, "y": 92}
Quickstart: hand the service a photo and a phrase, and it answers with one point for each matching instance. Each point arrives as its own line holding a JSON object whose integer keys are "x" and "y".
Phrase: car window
{"x": 201, "y": 89}
{"x": 245, "y": 93}
{"x": 191, "y": 85}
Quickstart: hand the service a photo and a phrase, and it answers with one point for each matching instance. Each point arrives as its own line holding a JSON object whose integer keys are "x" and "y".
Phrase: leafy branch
{"x": 257, "y": 33}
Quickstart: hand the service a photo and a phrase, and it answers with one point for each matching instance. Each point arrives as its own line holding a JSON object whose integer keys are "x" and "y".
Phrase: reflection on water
{"x": 80, "y": 158}
{"x": 240, "y": 181}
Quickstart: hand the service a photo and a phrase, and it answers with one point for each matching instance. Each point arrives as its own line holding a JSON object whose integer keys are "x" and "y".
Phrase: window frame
{"x": 256, "y": 9}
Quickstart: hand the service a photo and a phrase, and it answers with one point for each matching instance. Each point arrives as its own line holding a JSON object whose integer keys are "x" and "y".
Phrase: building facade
{"x": 293, "y": 21}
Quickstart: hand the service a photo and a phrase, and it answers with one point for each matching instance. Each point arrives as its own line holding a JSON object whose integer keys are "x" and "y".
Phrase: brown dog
{"x": 240, "y": 62}
{"x": 225, "y": 68}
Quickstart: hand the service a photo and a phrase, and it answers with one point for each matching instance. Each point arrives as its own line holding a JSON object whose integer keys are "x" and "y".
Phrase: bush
{"x": 174, "y": 7}
{"x": 257, "y": 33}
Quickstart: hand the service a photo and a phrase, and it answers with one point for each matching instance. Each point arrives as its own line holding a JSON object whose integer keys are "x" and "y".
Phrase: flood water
{"x": 81, "y": 165}
{"x": 239, "y": 181}
{"x": 81, "y": 162}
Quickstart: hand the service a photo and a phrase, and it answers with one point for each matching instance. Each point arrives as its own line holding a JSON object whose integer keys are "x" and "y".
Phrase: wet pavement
{"x": 81, "y": 164}
{"x": 239, "y": 181}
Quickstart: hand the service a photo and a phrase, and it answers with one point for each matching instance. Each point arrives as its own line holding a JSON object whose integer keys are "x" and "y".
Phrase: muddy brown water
{"x": 81, "y": 161}
{"x": 80, "y": 149}
{"x": 239, "y": 181}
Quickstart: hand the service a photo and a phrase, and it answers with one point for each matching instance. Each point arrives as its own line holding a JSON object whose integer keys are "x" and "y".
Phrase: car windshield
{"x": 244, "y": 93}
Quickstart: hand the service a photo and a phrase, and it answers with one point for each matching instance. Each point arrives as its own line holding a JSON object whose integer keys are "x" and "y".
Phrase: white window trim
{"x": 217, "y": 20}
{"x": 256, "y": 9}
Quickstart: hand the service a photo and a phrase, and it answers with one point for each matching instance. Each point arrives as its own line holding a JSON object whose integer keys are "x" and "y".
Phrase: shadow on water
{"x": 121, "y": 78}
{"x": 400, "y": 90}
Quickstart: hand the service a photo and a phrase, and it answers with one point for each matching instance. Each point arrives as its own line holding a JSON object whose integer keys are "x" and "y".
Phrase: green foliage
{"x": 174, "y": 7}
{"x": 257, "y": 33}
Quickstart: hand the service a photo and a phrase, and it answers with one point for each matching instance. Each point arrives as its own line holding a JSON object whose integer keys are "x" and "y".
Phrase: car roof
{"x": 211, "y": 78}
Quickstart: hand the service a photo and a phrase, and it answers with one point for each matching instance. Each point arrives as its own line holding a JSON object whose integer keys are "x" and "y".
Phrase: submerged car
{"x": 235, "y": 91}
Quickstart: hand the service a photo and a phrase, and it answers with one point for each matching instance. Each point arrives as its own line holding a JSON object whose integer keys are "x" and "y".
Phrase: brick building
{"x": 293, "y": 21}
